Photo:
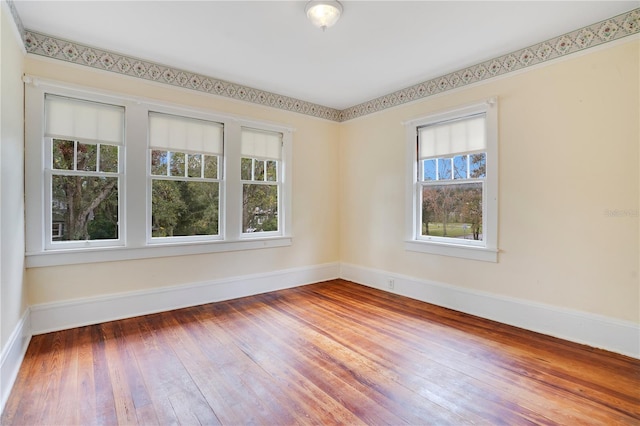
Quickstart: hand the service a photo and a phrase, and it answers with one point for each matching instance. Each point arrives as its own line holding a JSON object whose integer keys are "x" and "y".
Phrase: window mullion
{"x": 136, "y": 189}
{"x": 98, "y": 159}
{"x": 75, "y": 155}
{"x": 186, "y": 165}
{"x": 253, "y": 169}
{"x": 231, "y": 214}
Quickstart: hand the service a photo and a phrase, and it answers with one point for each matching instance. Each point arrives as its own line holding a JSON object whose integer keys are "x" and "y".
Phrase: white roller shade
{"x": 175, "y": 133}
{"x": 67, "y": 118}
{"x": 261, "y": 144}
{"x": 454, "y": 137}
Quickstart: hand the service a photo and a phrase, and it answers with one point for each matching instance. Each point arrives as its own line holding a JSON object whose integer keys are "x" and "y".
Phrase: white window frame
{"x": 485, "y": 250}
{"x": 278, "y": 183}
{"x": 49, "y": 172}
{"x": 135, "y": 183}
{"x": 220, "y": 179}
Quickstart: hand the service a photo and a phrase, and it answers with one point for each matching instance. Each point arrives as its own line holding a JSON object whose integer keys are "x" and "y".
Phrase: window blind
{"x": 454, "y": 137}
{"x": 67, "y": 118}
{"x": 176, "y": 133}
{"x": 261, "y": 144}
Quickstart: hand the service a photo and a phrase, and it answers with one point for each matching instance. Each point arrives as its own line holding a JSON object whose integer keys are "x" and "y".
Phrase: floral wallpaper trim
{"x": 69, "y": 51}
{"x": 16, "y": 17}
{"x": 593, "y": 35}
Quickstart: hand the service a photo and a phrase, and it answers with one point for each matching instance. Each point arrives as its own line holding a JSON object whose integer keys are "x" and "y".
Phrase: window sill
{"x": 454, "y": 250}
{"x": 112, "y": 254}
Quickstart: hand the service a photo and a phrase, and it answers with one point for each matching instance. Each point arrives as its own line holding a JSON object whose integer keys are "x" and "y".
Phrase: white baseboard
{"x": 76, "y": 313}
{"x": 12, "y": 356}
{"x": 598, "y": 331}
{"x": 594, "y": 330}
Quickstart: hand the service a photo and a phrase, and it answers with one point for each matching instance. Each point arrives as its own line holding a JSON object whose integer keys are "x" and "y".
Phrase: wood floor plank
{"x": 391, "y": 366}
{"x": 103, "y": 391}
{"x": 86, "y": 387}
{"x": 313, "y": 366}
{"x": 398, "y": 348}
{"x": 328, "y": 353}
{"x": 28, "y": 379}
{"x": 500, "y": 370}
{"x": 355, "y": 371}
{"x": 122, "y": 392}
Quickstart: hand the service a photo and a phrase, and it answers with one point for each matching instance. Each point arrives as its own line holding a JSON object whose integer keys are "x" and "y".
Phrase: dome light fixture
{"x": 323, "y": 14}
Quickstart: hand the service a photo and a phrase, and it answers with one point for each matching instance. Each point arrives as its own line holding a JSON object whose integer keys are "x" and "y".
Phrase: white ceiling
{"x": 377, "y": 47}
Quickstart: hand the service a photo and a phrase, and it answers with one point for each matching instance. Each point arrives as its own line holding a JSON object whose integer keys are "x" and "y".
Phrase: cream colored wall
{"x": 315, "y": 211}
{"x": 13, "y": 300}
{"x": 568, "y": 144}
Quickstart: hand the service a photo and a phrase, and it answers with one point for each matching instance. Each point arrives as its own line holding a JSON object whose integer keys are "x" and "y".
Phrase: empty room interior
{"x": 319, "y": 212}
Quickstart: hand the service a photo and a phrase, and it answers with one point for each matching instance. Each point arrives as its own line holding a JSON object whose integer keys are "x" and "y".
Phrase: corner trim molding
{"x": 57, "y": 316}
{"x": 599, "y": 33}
{"x": 13, "y": 355}
{"x": 598, "y": 331}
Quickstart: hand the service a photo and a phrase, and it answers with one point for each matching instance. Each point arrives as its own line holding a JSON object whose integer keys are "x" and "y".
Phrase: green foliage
{"x": 259, "y": 208}
{"x": 259, "y": 199}
{"x": 454, "y": 230}
{"x": 446, "y": 205}
{"x": 86, "y": 207}
{"x": 183, "y": 208}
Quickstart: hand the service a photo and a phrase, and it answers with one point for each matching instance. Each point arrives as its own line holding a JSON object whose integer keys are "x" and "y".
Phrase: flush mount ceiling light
{"x": 323, "y": 14}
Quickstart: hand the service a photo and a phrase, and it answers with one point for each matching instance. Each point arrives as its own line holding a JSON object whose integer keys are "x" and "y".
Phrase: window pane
{"x": 177, "y": 163}
{"x": 453, "y": 211}
{"x": 460, "y": 167}
{"x": 259, "y": 170}
{"x": 109, "y": 158}
{"x": 183, "y": 208}
{"x": 245, "y": 168}
{"x": 444, "y": 168}
{"x": 159, "y": 163}
{"x": 84, "y": 208}
{"x": 195, "y": 165}
{"x": 259, "y": 208}
{"x": 211, "y": 166}
{"x": 87, "y": 157}
{"x": 429, "y": 167}
{"x": 478, "y": 165}
{"x": 272, "y": 171}
{"x": 63, "y": 152}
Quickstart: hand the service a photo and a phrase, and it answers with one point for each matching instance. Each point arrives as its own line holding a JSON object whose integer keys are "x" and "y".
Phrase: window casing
{"x": 209, "y": 162}
{"x": 452, "y": 183}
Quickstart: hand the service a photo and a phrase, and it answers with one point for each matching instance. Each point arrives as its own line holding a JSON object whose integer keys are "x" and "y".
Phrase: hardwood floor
{"x": 327, "y": 353}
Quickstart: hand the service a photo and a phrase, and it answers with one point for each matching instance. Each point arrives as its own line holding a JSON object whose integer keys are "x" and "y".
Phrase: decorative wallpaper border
{"x": 593, "y": 35}
{"x": 615, "y": 28}
{"x": 16, "y": 17}
{"x": 70, "y": 51}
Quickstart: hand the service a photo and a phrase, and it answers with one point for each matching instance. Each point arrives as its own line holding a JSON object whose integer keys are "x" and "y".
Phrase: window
{"x": 185, "y": 175}
{"x": 453, "y": 202}
{"x": 82, "y": 179}
{"x": 260, "y": 156}
{"x": 112, "y": 178}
